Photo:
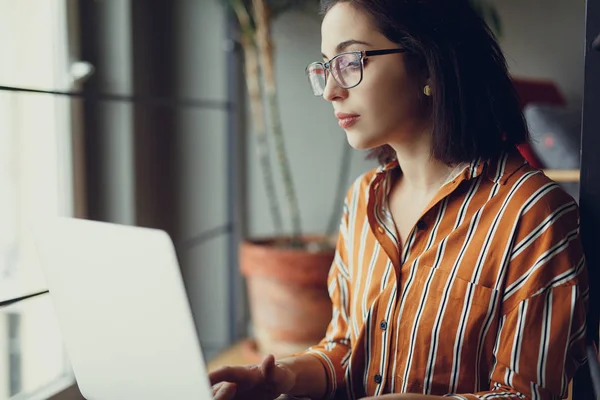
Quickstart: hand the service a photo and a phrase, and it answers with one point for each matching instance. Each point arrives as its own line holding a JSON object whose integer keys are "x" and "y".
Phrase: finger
{"x": 225, "y": 391}
{"x": 229, "y": 374}
{"x": 216, "y": 388}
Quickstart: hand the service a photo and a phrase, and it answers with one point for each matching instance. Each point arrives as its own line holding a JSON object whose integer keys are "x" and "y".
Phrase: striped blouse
{"x": 487, "y": 298}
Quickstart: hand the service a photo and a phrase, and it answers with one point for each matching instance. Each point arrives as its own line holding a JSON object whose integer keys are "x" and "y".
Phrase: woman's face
{"x": 385, "y": 108}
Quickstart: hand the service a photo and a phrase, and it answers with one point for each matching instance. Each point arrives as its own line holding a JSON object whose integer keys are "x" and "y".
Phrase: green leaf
{"x": 496, "y": 22}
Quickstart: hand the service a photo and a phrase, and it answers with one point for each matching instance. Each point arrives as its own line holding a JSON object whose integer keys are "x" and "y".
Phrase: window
{"x": 35, "y": 180}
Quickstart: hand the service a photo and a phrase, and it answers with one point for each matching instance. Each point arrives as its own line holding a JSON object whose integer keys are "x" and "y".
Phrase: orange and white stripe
{"x": 486, "y": 299}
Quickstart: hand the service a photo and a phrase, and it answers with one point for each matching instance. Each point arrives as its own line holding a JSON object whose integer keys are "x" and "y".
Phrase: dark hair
{"x": 474, "y": 107}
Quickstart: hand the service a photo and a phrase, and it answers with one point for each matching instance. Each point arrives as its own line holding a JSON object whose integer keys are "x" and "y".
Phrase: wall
{"x": 545, "y": 39}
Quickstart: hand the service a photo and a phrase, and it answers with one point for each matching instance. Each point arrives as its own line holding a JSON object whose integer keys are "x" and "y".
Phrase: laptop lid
{"x": 122, "y": 309}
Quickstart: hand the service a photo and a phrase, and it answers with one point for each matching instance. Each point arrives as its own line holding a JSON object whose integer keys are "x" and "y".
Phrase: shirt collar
{"x": 498, "y": 169}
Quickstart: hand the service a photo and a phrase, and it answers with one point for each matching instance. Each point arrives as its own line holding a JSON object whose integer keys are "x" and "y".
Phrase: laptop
{"x": 122, "y": 310}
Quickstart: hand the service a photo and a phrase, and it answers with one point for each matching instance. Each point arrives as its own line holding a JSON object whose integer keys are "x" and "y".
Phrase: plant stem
{"x": 252, "y": 73}
{"x": 265, "y": 48}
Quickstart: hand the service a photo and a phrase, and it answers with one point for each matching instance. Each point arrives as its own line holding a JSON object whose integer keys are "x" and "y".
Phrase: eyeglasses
{"x": 346, "y": 68}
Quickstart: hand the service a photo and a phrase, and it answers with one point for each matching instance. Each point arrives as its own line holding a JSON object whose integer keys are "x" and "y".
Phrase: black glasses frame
{"x": 362, "y": 55}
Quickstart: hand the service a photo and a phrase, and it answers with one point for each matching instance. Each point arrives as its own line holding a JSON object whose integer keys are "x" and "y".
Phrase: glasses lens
{"x": 347, "y": 69}
{"x": 316, "y": 78}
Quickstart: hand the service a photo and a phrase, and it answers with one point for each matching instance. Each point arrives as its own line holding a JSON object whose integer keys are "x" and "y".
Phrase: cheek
{"x": 391, "y": 100}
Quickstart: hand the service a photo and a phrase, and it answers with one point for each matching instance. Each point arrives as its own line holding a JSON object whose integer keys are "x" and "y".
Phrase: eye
{"x": 348, "y": 62}
{"x": 354, "y": 64}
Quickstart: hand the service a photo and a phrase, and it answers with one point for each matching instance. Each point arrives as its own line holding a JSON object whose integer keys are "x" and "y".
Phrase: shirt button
{"x": 380, "y": 229}
{"x": 421, "y": 225}
{"x": 383, "y": 325}
{"x": 378, "y": 379}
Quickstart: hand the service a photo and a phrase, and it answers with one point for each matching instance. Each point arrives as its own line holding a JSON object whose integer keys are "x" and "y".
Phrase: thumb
{"x": 267, "y": 367}
{"x": 276, "y": 377}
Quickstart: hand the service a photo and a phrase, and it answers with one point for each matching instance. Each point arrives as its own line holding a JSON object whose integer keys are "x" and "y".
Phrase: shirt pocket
{"x": 438, "y": 286}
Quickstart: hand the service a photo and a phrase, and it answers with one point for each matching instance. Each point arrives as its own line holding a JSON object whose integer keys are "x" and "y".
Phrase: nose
{"x": 333, "y": 91}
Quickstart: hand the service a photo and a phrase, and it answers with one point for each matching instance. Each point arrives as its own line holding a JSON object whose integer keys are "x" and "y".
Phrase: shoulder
{"x": 535, "y": 195}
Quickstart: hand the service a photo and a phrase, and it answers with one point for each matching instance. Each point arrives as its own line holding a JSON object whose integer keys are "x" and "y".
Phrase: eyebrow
{"x": 344, "y": 45}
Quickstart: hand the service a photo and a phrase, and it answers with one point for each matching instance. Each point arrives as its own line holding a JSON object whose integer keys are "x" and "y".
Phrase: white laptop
{"x": 122, "y": 310}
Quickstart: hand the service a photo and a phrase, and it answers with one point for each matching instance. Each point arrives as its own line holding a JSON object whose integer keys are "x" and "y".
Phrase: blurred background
{"x": 136, "y": 112}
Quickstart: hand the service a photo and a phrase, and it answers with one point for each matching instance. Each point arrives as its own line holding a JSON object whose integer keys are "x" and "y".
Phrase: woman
{"x": 459, "y": 269}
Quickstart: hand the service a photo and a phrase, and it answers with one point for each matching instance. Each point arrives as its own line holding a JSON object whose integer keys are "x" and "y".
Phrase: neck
{"x": 420, "y": 171}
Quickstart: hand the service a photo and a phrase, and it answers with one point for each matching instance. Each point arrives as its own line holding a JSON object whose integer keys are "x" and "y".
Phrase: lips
{"x": 347, "y": 120}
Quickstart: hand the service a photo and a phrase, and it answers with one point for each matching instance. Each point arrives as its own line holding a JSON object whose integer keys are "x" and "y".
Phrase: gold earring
{"x": 427, "y": 90}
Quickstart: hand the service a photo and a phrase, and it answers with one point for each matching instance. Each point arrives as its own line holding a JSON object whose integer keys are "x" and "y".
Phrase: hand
{"x": 265, "y": 381}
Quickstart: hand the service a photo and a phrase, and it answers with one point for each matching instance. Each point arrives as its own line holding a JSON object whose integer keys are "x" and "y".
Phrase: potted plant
{"x": 286, "y": 274}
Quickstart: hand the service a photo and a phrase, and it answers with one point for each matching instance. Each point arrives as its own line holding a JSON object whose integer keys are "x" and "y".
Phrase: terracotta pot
{"x": 287, "y": 289}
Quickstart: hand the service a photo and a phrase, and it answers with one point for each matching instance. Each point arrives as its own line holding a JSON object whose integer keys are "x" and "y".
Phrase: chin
{"x": 360, "y": 141}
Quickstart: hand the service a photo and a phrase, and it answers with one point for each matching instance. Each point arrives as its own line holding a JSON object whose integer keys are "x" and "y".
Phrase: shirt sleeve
{"x": 541, "y": 337}
{"x": 335, "y": 348}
